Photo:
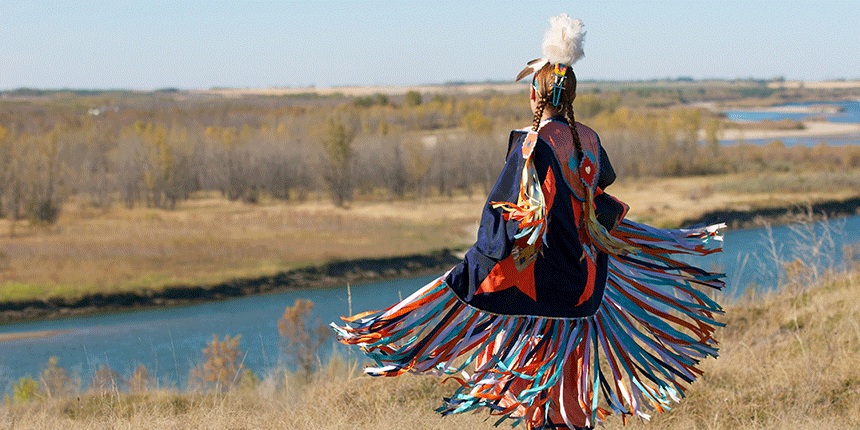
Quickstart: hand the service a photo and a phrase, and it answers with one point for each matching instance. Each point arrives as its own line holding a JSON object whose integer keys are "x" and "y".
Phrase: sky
{"x": 144, "y": 45}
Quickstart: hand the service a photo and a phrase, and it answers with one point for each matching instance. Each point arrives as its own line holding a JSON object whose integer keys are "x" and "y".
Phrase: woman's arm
{"x": 607, "y": 173}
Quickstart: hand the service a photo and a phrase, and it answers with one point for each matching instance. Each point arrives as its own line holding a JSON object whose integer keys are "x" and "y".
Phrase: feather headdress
{"x": 562, "y": 44}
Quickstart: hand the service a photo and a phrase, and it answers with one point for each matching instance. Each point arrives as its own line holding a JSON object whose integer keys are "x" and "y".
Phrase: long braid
{"x": 541, "y": 104}
{"x": 571, "y": 121}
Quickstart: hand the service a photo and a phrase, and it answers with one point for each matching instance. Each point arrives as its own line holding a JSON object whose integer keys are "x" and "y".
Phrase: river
{"x": 849, "y": 113}
{"x": 169, "y": 341}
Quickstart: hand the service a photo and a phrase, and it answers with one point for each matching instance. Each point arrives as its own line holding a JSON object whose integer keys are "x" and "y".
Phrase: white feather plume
{"x": 562, "y": 43}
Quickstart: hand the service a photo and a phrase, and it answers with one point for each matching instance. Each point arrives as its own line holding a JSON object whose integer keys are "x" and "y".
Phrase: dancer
{"x": 565, "y": 311}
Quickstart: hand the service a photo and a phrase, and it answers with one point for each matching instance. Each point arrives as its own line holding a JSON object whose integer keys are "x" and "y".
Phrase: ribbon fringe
{"x": 634, "y": 355}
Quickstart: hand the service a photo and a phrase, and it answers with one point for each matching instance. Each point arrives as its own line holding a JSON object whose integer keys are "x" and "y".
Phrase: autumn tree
{"x": 338, "y": 155}
{"x": 412, "y": 98}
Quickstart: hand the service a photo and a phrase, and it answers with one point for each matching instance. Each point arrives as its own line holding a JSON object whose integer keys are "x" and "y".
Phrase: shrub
{"x": 25, "y": 390}
{"x": 55, "y": 382}
{"x": 223, "y": 367}
{"x": 301, "y": 338}
{"x": 105, "y": 379}
{"x": 412, "y": 98}
{"x": 45, "y": 212}
{"x": 139, "y": 380}
{"x": 475, "y": 121}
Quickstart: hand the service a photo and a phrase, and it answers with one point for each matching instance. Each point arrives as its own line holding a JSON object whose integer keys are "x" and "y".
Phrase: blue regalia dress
{"x": 563, "y": 311}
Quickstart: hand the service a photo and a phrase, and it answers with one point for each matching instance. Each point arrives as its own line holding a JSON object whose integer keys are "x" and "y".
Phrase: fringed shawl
{"x": 562, "y": 312}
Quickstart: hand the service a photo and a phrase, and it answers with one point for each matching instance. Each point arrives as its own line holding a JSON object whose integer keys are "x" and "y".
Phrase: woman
{"x": 567, "y": 311}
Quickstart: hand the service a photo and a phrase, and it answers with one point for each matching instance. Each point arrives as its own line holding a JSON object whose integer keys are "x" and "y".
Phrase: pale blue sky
{"x": 197, "y": 45}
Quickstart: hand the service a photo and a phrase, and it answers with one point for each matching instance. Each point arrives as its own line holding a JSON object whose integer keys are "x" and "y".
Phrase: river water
{"x": 850, "y": 113}
{"x": 169, "y": 341}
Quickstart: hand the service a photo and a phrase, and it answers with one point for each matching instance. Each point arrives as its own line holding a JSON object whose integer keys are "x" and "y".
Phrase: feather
{"x": 562, "y": 43}
{"x": 532, "y": 67}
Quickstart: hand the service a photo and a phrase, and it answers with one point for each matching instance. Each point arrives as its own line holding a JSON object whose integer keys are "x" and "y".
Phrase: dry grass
{"x": 787, "y": 361}
{"x": 667, "y": 202}
{"x": 334, "y": 402}
{"x": 210, "y": 240}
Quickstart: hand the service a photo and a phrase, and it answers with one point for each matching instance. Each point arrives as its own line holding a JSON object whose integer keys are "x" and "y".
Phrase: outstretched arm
{"x": 496, "y": 234}
{"x": 607, "y": 173}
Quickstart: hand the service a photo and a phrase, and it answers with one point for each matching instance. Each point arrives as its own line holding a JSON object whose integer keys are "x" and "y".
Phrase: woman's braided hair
{"x": 543, "y": 82}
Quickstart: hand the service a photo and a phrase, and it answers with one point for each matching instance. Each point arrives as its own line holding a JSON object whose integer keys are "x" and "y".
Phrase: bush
{"x": 475, "y": 121}
{"x": 25, "y": 390}
{"x": 45, "y": 212}
{"x": 301, "y": 338}
{"x": 105, "y": 379}
{"x": 55, "y": 382}
{"x": 223, "y": 367}
{"x": 140, "y": 380}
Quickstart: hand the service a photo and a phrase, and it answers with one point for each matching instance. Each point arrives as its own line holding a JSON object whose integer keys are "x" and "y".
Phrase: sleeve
{"x": 495, "y": 234}
{"x": 609, "y": 210}
{"x": 607, "y": 173}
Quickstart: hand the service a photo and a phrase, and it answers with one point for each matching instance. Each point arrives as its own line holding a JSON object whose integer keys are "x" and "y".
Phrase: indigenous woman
{"x": 564, "y": 311}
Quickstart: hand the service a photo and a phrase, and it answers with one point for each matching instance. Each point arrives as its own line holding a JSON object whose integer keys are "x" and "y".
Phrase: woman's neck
{"x": 549, "y": 112}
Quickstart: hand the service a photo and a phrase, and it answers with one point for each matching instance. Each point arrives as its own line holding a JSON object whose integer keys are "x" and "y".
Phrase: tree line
{"x": 159, "y": 149}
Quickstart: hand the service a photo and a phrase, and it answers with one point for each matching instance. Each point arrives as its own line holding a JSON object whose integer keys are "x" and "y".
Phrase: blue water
{"x": 169, "y": 341}
{"x": 754, "y": 258}
{"x": 850, "y": 114}
{"x": 842, "y": 140}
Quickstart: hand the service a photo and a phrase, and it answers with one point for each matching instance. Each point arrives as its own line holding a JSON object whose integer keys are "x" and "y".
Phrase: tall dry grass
{"x": 787, "y": 360}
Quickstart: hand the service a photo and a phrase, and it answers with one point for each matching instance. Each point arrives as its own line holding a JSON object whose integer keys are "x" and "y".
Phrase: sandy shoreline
{"x": 811, "y": 129}
{"x": 27, "y": 335}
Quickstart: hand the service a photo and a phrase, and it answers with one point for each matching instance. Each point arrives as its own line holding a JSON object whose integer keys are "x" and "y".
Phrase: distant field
{"x": 509, "y": 87}
{"x": 208, "y": 240}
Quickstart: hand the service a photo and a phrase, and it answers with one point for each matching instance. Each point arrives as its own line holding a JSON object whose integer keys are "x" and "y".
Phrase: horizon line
{"x": 776, "y": 81}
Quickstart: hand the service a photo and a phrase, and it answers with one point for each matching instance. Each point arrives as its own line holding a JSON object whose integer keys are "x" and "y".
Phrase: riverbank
{"x": 352, "y": 271}
{"x": 335, "y": 273}
{"x": 740, "y": 219}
